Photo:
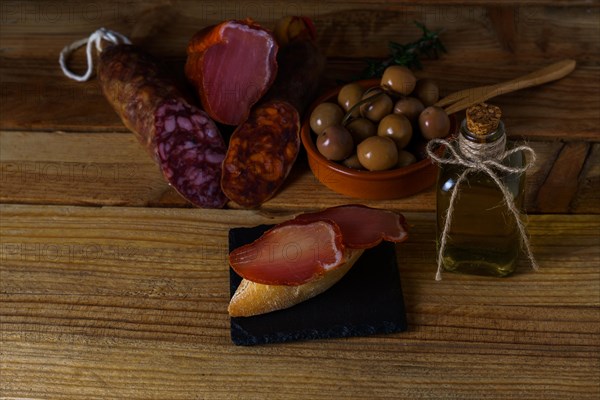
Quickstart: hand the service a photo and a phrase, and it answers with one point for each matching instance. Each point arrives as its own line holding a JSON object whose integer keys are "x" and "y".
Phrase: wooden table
{"x": 112, "y": 287}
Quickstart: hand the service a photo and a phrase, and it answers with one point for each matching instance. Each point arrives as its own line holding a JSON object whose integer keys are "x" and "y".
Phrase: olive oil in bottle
{"x": 483, "y": 237}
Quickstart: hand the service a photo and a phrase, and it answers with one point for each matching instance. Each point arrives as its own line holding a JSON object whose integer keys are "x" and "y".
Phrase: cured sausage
{"x": 180, "y": 137}
{"x": 264, "y": 148}
{"x": 232, "y": 65}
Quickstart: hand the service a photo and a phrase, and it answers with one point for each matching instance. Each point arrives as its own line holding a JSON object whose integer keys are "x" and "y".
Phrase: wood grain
{"x": 35, "y": 96}
{"x": 346, "y": 28}
{"x": 101, "y": 302}
{"x": 112, "y": 169}
{"x": 558, "y": 191}
{"x": 130, "y": 302}
{"x": 589, "y": 181}
{"x": 488, "y": 42}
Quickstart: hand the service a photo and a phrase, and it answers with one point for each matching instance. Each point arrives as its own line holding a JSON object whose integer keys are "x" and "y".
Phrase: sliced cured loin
{"x": 232, "y": 65}
{"x": 298, "y": 251}
{"x": 180, "y": 137}
{"x": 290, "y": 253}
{"x": 362, "y": 227}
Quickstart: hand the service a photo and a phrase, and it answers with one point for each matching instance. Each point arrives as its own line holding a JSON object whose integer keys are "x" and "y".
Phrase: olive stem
{"x": 348, "y": 117}
{"x": 385, "y": 89}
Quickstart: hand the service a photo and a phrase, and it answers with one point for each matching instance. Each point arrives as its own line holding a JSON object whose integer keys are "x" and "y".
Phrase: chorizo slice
{"x": 261, "y": 154}
{"x": 181, "y": 138}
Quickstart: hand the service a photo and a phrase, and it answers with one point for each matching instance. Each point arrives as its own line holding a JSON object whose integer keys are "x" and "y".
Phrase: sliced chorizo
{"x": 261, "y": 153}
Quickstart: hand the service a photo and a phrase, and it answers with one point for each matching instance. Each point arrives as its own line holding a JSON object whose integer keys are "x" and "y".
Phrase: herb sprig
{"x": 428, "y": 45}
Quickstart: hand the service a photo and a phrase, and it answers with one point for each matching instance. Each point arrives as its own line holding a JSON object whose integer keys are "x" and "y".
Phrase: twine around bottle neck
{"x": 479, "y": 151}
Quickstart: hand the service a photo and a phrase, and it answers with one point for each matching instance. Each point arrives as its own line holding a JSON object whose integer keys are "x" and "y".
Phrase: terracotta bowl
{"x": 372, "y": 185}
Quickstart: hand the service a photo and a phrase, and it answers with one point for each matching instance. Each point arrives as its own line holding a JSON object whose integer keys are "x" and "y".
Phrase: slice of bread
{"x": 252, "y": 298}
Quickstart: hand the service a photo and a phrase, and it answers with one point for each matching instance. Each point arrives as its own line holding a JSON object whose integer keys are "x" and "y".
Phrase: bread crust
{"x": 252, "y": 298}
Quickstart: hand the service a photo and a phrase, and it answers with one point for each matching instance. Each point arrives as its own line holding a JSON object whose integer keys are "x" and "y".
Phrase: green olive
{"x": 427, "y": 91}
{"x": 335, "y": 143}
{"x": 410, "y": 107}
{"x": 400, "y": 79}
{"x": 352, "y": 162}
{"x": 349, "y": 95}
{"x": 361, "y": 128}
{"x": 377, "y": 108}
{"x": 396, "y": 127}
{"x": 324, "y": 116}
{"x": 434, "y": 123}
{"x": 405, "y": 158}
{"x": 377, "y": 153}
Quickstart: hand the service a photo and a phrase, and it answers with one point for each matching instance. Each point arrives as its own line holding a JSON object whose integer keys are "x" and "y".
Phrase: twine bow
{"x": 488, "y": 166}
{"x": 95, "y": 38}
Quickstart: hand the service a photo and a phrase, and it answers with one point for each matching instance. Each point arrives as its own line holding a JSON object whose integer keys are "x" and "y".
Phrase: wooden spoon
{"x": 465, "y": 98}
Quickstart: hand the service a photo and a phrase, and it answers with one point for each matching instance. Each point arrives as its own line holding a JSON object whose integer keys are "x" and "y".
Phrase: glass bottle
{"x": 483, "y": 237}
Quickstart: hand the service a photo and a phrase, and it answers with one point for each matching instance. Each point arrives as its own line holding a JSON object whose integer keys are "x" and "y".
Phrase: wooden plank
{"x": 112, "y": 169}
{"x": 35, "y": 96}
{"x": 349, "y": 29}
{"x": 589, "y": 181}
{"x": 128, "y": 302}
{"x": 504, "y": 23}
{"x": 93, "y": 169}
{"x": 558, "y": 191}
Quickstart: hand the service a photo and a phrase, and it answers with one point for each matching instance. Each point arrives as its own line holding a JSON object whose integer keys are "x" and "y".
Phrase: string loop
{"x": 94, "y": 39}
{"x": 488, "y": 166}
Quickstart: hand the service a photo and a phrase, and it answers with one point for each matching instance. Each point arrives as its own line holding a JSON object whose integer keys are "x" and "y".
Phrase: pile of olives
{"x": 374, "y": 129}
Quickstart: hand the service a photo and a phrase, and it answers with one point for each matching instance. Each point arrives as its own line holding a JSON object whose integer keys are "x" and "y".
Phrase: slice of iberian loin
{"x": 232, "y": 65}
{"x": 301, "y": 258}
{"x": 362, "y": 227}
{"x": 292, "y": 253}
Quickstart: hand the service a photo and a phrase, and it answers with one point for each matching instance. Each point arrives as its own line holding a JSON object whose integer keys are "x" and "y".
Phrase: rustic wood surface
{"x": 488, "y": 42}
{"x": 111, "y": 286}
{"x": 111, "y": 169}
{"x": 131, "y": 302}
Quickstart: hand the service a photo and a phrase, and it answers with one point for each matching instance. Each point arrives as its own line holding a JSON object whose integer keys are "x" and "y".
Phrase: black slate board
{"x": 367, "y": 300}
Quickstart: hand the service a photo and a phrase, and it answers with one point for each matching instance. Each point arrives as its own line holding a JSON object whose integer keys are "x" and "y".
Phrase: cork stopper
{"x": 483, "y": 118}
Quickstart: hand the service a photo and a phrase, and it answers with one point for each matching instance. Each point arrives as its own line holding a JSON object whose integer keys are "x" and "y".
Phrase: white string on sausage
{"x": 95, "y": 38}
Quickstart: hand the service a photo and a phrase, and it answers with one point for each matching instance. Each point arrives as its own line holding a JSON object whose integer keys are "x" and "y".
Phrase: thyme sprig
{"x": 428, "y": 45}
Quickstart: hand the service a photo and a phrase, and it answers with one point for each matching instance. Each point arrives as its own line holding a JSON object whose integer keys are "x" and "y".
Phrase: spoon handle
{"x": 466, "y": 98}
